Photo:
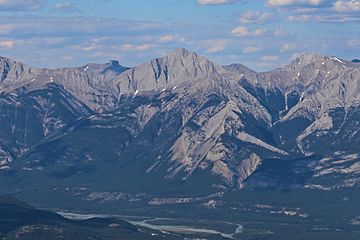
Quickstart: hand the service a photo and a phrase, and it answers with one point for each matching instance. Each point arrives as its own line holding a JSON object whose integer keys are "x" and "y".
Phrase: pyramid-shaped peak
{"x": 310, "y": 55}
{"x": 308, "y": 58}
{"x": 178, "y": 66}
{"x": 182, "y": 52}
{"x": 305, "y": 60}
{"x": 184, "y": 58}
{"x": 186, "y": 61}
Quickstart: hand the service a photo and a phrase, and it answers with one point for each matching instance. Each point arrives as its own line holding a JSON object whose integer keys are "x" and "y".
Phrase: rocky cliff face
{"x": 92, "y": 84}
{"x": 28, "y": 117}
{"x": 167, "y": 72}
{"x": 183, "y": 121}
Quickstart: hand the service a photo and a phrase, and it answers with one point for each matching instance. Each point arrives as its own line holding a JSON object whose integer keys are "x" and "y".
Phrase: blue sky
{"x": 262, "y": 34}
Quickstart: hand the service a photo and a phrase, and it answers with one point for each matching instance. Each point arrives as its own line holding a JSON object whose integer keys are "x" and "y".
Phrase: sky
{"x": 261, "y": 34}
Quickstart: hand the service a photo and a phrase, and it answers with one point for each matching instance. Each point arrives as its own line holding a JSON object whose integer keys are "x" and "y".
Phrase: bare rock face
{"x": 29, "y": 117}
{"x": 247, "y": 168}
{"x": 91, "y": 83}
{"x": 14, "y": 74}
{"x": 320, "y": 82}
{"x": 169, "y": 71}
{"x": 183, "y": 119}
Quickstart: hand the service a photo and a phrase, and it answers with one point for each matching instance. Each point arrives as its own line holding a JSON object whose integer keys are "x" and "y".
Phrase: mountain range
{"x": 177, "y": 128}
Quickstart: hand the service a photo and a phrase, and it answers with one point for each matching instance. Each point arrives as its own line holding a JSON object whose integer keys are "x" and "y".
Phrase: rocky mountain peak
{"x": 3, "y": 60}
{"x": 114, "y": 63}
{"x": 308, "y": 69}
{"x": 182, "y": 52}
{"x": 308, "y": 58}
{"x": 229, "y": 123}
{"x": 318, "y": 60}
{"x": 306, "y": 62}
{"x": 238, "y": 67}
{"x": 12, "y": 71}
{"x": 115, "y": 66}
{"x": 178, "y": 66}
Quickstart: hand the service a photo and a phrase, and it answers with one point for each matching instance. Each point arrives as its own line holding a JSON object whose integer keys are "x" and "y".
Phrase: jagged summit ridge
{"x": 92, "y": 83}
{"x": 308, "y": 69}
{"x": 181, "y": 115}
{"x": 178, "y": 66}
{"x": 13, "y": 72}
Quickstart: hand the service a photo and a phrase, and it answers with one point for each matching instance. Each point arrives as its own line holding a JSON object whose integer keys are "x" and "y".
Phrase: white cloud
{"x": 269, "y": 58}
{"x": 252, "y": 49}
{"x": 18, "y": 27}
{"x": 287, "y": 47}
{"x": 300, "y": 18}
{"x": 132, "y": 47}
{"x": 255, "y": 17}
{"x": 216, "y": 2}
{"x": 331, "y": 11}
{"x": 20, "y": 5}
{"x": 167, "y": 38}
{"x": 327, "y": 17}
{"x": 353, "y": 42}
{"x": 297, "y": 3}
{"x": 217, "y": 46}
{"x": 304, "y": 10}
{"x": 241, "y": 31}
{"x": 93, "y": 45}
{"x": 5, "y": 28}
{"x": 7, "y": 44}
{"x": 347, "y": 6}
{"x": 89, "y": 48}
{"x": 65, "y": 6}
{"x": 280, "y": 32}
